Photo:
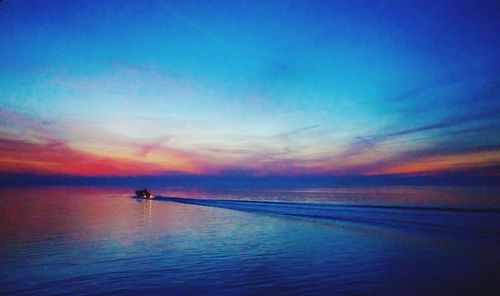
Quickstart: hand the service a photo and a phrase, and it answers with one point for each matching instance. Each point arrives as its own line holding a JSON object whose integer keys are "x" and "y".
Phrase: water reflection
{"x": 475, "y": 197}
{"x": 147, "y": 210}
{"x": 88, "y": 240}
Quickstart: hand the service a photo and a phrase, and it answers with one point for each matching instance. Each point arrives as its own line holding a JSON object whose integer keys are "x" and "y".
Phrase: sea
{"x": 358, "y": 240}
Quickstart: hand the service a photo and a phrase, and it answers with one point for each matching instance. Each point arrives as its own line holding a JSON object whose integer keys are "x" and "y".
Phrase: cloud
{"x": 298, "y": 131}
{"x": 441, "y": 164}
{"x": 446, "y": 124}
{"x": 145, "y": 148}
{"x": 28, "y": 144}
{"x": 57, "y": 158}
{"x": 431, "y": 89}
{"x": 231, "y": 150}
{"x": 47, "y": 147}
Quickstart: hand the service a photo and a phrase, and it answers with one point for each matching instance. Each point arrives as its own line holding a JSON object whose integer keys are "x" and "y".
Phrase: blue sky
{"x": 250, "y": 87}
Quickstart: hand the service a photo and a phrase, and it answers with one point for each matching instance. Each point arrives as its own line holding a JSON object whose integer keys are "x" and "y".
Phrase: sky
{"x": 250, "y": 88}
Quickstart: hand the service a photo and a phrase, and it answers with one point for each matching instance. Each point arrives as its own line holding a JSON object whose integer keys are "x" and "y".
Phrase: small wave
{"x": 459, "y": 220}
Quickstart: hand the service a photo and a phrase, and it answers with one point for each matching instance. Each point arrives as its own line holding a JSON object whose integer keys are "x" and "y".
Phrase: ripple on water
{"x": 77, "y": 245}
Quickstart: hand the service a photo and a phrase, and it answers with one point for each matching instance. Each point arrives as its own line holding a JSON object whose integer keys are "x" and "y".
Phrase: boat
{"x": 144, "y": 193}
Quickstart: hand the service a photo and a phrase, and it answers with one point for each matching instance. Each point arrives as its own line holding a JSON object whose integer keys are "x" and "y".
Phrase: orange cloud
{"x": 28, "y": 145}
{"x": 444, "y": 163}
{"x": 57, "y": 158}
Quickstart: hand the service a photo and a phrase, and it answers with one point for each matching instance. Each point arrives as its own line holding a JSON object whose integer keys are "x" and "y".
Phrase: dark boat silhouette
{"x": 144, "y": 193}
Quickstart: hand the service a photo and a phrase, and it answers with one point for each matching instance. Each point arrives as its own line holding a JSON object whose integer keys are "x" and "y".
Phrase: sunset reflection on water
{"x": 85, "y": 240}
{"x": 474, "y": 197}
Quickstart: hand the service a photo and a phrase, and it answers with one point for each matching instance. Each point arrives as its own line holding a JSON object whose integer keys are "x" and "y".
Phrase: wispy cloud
{"x": 441, "y": 164}
{"x": 299, "y": 130}
{"x": 39, "y": 146}
{"x": 57, "y": 158}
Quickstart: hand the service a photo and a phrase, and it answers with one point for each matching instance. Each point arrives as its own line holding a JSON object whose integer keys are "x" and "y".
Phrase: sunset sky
{"x": 253, "y": 88}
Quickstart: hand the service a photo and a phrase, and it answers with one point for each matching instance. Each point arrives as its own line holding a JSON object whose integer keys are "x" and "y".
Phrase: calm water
{"x": 86, "y": 241}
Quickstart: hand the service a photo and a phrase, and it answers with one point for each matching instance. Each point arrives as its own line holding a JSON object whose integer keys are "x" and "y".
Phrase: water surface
{"x": 89, "y": 241}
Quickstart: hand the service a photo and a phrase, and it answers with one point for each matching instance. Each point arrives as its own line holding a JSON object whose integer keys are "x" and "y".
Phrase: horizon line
{"x": 17, "y": 179}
